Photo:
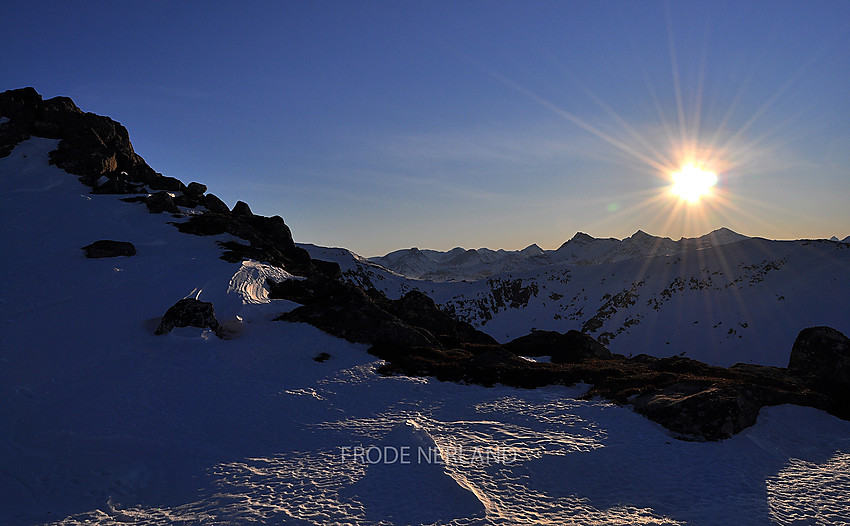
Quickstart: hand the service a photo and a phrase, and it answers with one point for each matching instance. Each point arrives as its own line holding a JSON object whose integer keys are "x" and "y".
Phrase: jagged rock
{"x": 190, "y": 312}
{"x": 161, "y": 202}
{"x": 269, "y": 237}
{"x": 118, "y": 185}
{"x": 330, "y": 269}
{"x": 91, "y": 145}
{"x": 106, "y": 248}
{"x": 214, "y": 204}
{"x": 359, "y": 321}
{"x": 241, "y": 209}
{"x": 821, "y": 353}
{"x": 171, "y": 184}
{"x": 697, "y": 410}
{"x": 570, "y": 347}
{"x": 418, "y": 309}
{"x": 346, "y": 312}
{"x": 414, "y": 310}
{"x": 187, "y": 200}
{"x": 196, "y": 189}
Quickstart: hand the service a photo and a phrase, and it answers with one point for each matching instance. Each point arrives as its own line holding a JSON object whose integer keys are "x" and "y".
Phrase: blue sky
{"x": 384, "y": 125}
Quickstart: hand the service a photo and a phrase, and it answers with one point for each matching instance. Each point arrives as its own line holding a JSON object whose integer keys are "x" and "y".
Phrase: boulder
{"x": 241, "y": 209}
{"x": 196, "y": 189}
{"x": 118, "y": 185}
{"x": 700, "y": 411}
{"x": 214, "y": 204}
{"x": 822, "y": 354}
{"x": 106, "y": 248}
{"x": 570, "y": 347}
{"x": 161, "y": 202}
{"x": 418, "y": 309}
{"x": 190, "y": 312}
{"x": 171, "y": 184}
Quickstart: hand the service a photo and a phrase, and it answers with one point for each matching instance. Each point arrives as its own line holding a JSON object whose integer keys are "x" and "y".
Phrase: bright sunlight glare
{"x": 692, "y": 183}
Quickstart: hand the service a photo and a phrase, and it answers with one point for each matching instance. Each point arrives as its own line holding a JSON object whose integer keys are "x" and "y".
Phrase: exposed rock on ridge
{"x": 98, "y": 150}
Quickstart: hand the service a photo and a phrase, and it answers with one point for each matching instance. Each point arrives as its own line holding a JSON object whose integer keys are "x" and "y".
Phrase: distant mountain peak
{"x": 532, "y": 250}
{"x": 582, "y": 238}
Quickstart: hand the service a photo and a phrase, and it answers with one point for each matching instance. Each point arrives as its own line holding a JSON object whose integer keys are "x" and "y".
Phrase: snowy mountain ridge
{"x": 722, "y": 304}
{"x": 460, "y": 264}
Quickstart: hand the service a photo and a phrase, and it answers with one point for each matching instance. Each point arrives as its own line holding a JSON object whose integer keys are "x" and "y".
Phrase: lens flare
{"x": 692, "y": 183}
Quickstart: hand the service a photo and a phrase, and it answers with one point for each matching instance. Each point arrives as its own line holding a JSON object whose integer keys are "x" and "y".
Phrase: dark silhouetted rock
{"x": 570, "y": 347}
{"x": 214, "y": 204}
{"x": 697, "y": 410}
{"x": 170, "y": 184}
{"x": 161, "y": 202}
{"x": 190, "y": 312}
{"x": 821, "y": 353}
{"x": 91, "y": 146}
{"x": 241, "y": 209}
{"x": 106, "y": 248}
{"x": 419, "y": 310}
{"x": 118, "y": 185}
{"x": 322, "y": 357}
{"x": 196, "y": 189}
{"x": 347, "y": 312}
{"x": 329, "y": 269}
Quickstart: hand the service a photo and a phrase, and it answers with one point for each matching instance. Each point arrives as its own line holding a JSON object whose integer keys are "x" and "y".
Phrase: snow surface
{"x": 102, "y": 422}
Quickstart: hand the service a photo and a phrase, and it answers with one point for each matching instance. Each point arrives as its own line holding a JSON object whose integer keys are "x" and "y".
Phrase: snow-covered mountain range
{"x": 722, "y": 298}
{"x": 461, "y": 264}
{"x": 106, "y": 419}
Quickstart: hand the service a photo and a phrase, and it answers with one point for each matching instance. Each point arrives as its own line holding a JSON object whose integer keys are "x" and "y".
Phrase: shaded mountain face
{"x": 582, "y": 249}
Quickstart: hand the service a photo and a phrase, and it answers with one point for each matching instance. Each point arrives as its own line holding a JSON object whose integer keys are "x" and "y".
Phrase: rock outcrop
{"x": 190, "y": 312}
{"x": 349, "y": 312}
{"x": 570, "y": 347}
{"x": 821, "y": 354}
{"x": 98, "y": 150}
{"x": 107, "y": 248}
{"x": 693, "y": 400}
{"x": 92, "y": 146}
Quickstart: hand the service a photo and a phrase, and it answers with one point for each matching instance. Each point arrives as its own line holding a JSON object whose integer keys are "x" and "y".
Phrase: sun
{"x": 692, "y": 183}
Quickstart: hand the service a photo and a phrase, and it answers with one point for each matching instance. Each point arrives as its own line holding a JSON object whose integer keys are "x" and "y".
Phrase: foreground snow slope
{"x": 101, "y": 422}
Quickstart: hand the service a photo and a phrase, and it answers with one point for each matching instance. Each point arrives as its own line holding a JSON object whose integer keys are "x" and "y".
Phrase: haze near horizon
{"x": 379, "y": 126}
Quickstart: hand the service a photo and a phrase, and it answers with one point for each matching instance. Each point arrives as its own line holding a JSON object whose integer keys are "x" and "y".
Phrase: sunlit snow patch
{"x": 406, "y": 475}
{"x": 245, "y": 298}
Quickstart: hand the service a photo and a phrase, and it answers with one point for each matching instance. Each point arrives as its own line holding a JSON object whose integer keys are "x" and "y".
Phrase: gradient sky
{"x": 384, "y": 125}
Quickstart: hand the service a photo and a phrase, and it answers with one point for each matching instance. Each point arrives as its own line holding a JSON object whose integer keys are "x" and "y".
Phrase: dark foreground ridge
{"x": 690, "y": 398}
{"x": 98, "y": 150}
{"x": 412, "y": 335}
